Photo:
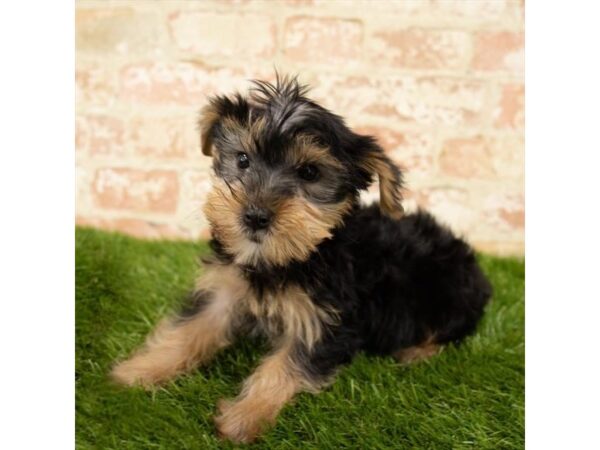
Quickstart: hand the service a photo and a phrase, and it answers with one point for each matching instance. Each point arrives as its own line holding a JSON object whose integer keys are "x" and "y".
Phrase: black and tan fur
{"x": 299, "y": 260}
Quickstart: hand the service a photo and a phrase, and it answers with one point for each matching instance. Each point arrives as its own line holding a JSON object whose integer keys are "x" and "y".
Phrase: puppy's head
{"x": 286, "y": 173}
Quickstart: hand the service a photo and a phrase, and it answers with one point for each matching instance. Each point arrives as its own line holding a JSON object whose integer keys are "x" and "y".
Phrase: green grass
{"x": 468, "y": 397}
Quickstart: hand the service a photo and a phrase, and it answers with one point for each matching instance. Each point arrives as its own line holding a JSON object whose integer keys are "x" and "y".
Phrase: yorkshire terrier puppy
{"x": 297, "y": 259}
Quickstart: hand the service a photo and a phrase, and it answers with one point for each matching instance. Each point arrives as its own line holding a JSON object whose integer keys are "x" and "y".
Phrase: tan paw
{"x": 138, "y": 371}
{"x": 224, "y": 404}
{"x": 239, "y": 423}
{"x": 412, "y": 355}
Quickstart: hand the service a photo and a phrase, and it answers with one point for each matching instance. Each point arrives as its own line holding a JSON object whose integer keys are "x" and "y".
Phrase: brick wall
{"x": 439, "y": 82}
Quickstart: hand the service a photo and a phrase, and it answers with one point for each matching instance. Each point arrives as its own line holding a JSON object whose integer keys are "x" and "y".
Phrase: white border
{"x": 36, "y": 231}
{"x": 562, "y": 225}
{"x": 562, "y": 231}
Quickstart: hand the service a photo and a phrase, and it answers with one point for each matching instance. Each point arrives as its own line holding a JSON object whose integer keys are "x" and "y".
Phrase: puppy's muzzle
{"x": 257, "y": 218}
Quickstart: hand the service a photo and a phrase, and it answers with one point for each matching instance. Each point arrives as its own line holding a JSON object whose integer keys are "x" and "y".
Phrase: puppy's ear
{"x": 390, "y": 180}
{"x": 219, "y": 108}
{"x": 209, "y": 116}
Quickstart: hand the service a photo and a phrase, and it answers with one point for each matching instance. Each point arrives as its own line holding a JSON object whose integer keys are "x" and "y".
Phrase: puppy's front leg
{"x": 267, "y": 390}
{"x": 290, "y": 369}
{"x": 180, "y": 343}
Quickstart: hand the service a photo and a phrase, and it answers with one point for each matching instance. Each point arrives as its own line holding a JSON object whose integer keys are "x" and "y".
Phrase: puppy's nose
{"x": 257, "y": 218}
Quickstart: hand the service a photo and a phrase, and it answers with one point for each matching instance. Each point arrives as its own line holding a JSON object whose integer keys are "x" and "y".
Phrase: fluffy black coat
{"x": 394, "y": 282}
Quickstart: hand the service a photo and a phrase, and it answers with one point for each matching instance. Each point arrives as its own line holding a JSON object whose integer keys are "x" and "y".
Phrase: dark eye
{"x": 243, "y": 161}
{"x": 308, "y": 172}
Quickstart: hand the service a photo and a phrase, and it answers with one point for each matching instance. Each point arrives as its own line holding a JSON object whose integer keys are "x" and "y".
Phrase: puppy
{"x": 296, "y": 258}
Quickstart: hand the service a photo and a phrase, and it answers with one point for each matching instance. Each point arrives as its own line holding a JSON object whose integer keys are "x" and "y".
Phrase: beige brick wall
{"x": 439, "y": 82}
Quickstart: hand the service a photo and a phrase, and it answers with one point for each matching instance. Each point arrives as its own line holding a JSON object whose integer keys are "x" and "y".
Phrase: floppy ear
{"x": 209, "y": 116}
{"x": 390, "y": 181}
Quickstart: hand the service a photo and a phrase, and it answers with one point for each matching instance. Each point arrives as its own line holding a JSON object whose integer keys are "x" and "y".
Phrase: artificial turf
{"x": 467, "y": 397}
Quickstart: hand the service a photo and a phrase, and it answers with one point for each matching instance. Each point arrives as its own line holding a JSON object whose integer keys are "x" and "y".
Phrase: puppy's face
{"x": 286, "y": 172}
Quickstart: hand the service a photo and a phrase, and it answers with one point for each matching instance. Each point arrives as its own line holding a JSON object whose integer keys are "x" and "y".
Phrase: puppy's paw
{"x": 138, "y": 371}
{"x": 239, "y": 423}
{"x": 224, "y": 404}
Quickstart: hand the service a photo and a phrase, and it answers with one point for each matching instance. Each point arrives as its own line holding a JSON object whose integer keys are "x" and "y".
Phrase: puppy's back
{"x": 417, "y": 281}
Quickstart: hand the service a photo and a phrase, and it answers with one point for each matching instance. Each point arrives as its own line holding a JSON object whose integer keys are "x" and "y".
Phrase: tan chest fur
{"x": 288, "y": 313}
{"x": 291, "y": 314}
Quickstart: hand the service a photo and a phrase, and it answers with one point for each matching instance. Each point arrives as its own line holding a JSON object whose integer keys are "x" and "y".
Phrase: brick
{"x": 185, "y": 84}
{"x": 135, "y": 227}
{"x": 416, "y": 48}
{"x": 499, "y": 51}
{"x": 195, "y": 186}
{"x": 429, "y": 101}
{"x": 467, "y": 158}
{"x": 505, "y": 211}
{"x": 81, "y": 136}
{"x": 389, "y": 139}
{"x": 480, "y": 10}
{"x": 483, "y": 157}
{"x": 387, "y": 7}
{"x": 509, "y": 157}
{"x": 99, "y": 135}
{"x": 510, "y": 112}
{"x": 215, "y": 34}
{"x": 136, "y": 190}
{"x": 322, "y": 40}
{"x": 450, "y": 205}
{"x": 411, "y": 151}
{"x": 111, "y": 31}
{"x": 164, "y": 138}
{"x": 94, "y": 86}
{"x": 83, "y": 182}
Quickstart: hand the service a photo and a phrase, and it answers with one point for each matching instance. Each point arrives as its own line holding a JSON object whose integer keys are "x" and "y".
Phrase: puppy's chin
{"x": 249, "y": 254}
{"x": 256, "y": 236}
{"x": 268, "y": 252}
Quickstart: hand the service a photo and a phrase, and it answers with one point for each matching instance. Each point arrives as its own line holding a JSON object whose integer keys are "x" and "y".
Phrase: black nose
{"x": 257, "y": 218}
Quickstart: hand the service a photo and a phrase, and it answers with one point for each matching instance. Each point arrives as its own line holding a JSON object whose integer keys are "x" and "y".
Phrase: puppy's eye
{"x": 243, "y": 161}
{"x": 308, "y": 172}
